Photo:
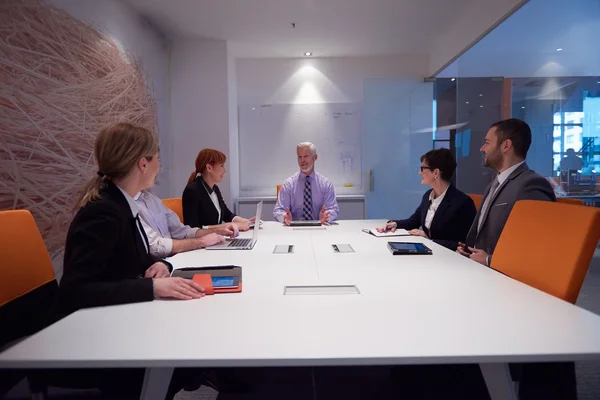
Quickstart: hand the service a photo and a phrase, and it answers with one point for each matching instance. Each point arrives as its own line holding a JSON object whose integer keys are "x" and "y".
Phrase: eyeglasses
{"x": 423, "y": 167}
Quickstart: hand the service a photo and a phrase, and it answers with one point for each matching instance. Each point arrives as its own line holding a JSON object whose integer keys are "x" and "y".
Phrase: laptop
{"x": 241, "y": 244}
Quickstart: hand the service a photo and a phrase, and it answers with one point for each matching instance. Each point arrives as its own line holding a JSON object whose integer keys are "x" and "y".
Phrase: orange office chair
{"x": 26, "y": 264}
{"x": 560, "y": 240}
{"x": 476, "y": 199}
{"x": 27, "y": 288}
{"x": 278, "y": 189}
{"x": 564, "y": 200}
{"x": 175, "y": 205}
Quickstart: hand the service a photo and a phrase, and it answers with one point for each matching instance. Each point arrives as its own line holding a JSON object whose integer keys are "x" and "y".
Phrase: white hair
{"x": 312, "y": 147}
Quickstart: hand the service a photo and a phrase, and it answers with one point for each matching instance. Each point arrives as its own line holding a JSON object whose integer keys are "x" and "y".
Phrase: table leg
{"x": 156, "y": 383}
{"x": 499, "y": 382}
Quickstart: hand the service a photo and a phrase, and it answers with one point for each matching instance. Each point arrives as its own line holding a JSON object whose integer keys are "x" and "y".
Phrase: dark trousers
{"x": 113, "y": 383}
{"x": 548, "y": 381}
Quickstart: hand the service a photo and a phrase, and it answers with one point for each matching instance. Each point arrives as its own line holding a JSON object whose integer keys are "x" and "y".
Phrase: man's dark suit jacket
{"x": 451, "y": 221}
{"x": 105, "y": 257}
{"x": 198, "y": 208}
{"x": 522, "y": 184}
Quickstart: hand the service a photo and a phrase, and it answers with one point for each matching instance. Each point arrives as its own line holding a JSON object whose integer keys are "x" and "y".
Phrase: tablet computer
{"x": 305, "y": 223}
{"x": 222, "y": 282}
{"x": 401, "y": 248}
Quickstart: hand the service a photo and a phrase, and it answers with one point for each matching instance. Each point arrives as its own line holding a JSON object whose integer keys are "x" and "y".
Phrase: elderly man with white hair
{"x": 306, "y": 195}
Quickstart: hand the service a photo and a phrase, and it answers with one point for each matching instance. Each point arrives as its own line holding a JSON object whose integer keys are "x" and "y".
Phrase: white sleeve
{"x": 159, "y": 246}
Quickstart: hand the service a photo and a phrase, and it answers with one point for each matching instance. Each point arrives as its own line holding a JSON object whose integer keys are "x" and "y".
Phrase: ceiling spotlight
{"x": 523, "y": 107}
{"x": 480, "y": 94}
{"x": 308, "y": 54}
{"x": 480, "y": 106}
{"x": 466, "y": 102}
{"x": 453, "y": 79}
{"x": 558, "y": 49}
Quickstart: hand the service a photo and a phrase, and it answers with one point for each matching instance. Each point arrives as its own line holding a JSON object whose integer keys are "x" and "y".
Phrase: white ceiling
{"x": 262, "y": 28}
{"x": 526, "y": 44}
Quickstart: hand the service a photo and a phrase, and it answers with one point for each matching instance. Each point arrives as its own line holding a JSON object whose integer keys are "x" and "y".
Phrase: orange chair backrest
{"x": 25, "y": 264}
{"x": 476, "y": 199}
{"x": 564, "y": 200}
{"x": 278, "y": 189}
{"x": 548, "y": 246}
{"x": 175, "y": 205}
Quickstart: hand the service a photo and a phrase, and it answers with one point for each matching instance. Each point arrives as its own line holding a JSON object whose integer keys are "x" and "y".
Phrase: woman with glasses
{"x": 445, "y": 213}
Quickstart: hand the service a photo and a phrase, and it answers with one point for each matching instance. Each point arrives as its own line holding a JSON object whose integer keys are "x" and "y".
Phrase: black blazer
{"x": 451, "y": 221}
{"x": 198, "y": 208}
{"x": 105, "y": 258}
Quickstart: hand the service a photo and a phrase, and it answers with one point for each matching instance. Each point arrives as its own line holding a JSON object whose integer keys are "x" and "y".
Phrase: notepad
{"x": 398, "y": 232}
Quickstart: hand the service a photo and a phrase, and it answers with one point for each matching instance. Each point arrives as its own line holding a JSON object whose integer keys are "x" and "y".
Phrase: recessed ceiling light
{"x": 523, "y": 107}
{"x": 480, "y": 94}
{"x": 480, "y": 106}
{"x": 559, "y": 49}
{"x": 466, "y": 102}
{"x": 453, "y": 79}
{"x": 308, "y": 54}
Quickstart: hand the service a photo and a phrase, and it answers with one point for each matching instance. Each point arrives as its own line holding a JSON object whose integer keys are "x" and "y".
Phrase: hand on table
{"x": 177, "y": 288}
{"x": 287, "y": 217}
{"x": 418, "y": 232}
{"x": 157, "y": 270}
{"x": 462, "y": 250}
{"x": 211, "y": 239}
{"x": 243, "y": 226}
{"x": 228, "y": 229}
{"x": 478, "y": 255}
{"x": 389, "y": 227}
{"x": 324, "y": 215}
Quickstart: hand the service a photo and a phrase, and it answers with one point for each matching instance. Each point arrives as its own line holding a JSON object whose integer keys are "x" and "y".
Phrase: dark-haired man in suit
{"x": 505, "y": 149}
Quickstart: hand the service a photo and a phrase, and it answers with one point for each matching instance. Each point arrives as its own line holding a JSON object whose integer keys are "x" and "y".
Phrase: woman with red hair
{"x": 203, "y": 204}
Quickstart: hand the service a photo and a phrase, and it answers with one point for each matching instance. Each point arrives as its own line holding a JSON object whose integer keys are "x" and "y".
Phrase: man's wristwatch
{"x": 204, "y": 226}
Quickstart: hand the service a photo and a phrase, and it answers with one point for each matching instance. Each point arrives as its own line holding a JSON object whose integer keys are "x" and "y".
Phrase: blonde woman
{"x": 106, "y": 256}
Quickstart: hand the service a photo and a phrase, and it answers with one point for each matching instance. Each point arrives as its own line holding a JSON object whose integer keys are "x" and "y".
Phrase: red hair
{"x": 205, "y": 157}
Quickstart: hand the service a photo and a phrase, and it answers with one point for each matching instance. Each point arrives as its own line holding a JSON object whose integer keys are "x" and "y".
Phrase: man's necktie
{"x": 307, "y": 206}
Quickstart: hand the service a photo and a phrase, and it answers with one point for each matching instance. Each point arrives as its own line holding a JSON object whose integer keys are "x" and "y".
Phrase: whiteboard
{"x": 269, "y": 134}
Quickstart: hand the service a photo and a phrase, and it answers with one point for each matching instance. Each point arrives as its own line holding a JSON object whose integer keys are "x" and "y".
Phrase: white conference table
{"x": 436, "y": 309}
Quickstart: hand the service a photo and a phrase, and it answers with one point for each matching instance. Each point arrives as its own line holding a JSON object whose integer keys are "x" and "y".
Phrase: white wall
{"x": 234, "y": 164}
{"x": 389, "y": 89}
{"x": 318, "y": 80}
{"x": 134, "y": 34}
{"x": 199, "y": 107}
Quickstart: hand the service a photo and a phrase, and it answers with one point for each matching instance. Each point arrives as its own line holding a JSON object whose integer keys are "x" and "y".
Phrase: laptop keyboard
{"x": 239, "y": 242}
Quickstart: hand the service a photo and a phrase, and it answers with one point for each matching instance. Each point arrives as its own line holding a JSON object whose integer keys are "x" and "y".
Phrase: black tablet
{"x": 306, "y": 223}
{"x": 399, "y": 248}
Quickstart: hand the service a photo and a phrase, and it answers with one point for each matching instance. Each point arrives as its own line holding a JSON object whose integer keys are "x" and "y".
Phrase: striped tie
{"x": 307, "y": 206}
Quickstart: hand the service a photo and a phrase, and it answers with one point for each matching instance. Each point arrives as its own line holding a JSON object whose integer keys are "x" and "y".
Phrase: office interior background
{"x": 476, "y": 62}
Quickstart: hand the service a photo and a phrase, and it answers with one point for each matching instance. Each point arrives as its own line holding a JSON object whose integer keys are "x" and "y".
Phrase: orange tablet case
{"x": 205, "y": 280}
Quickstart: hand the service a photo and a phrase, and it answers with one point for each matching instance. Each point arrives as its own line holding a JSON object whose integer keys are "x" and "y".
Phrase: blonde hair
{"x": 117, "y": 150}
